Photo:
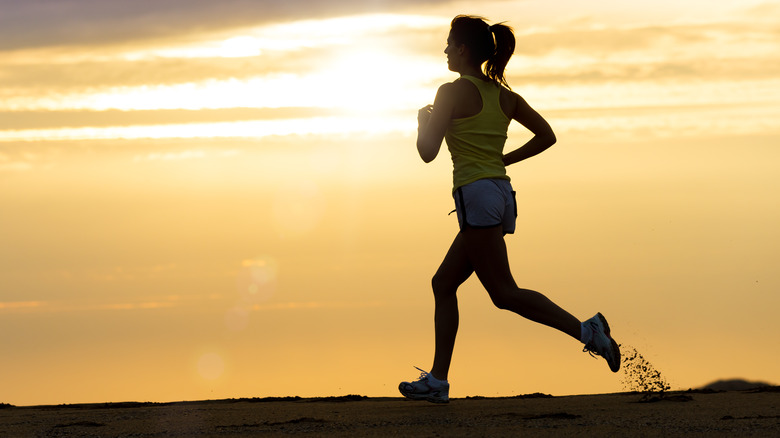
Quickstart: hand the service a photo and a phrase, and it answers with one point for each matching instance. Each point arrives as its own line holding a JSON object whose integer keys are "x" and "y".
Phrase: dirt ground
{"x": 690, "y": 414}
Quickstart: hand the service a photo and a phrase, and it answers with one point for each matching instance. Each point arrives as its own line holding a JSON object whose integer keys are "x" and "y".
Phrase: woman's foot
{"x": 601, "y": 343}
{"x": 426, "y": 388}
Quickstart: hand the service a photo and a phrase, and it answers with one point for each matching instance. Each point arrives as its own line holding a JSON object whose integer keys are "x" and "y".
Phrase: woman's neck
{"x": 472, "y": 71}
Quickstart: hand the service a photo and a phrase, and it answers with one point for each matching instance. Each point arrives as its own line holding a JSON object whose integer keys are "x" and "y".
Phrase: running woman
{"x": 473, "y": 114}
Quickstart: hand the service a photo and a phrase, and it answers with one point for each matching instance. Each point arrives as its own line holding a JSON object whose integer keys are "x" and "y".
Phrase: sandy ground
{"x": 692, "y": 413}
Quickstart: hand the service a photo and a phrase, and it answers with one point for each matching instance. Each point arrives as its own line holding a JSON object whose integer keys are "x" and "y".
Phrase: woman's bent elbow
{"x": 426, "y": 158}
{"x": 426, "y": 153}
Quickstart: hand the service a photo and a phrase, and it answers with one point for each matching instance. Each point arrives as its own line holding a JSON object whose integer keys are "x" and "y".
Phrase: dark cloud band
{"x": 43, "y": 23}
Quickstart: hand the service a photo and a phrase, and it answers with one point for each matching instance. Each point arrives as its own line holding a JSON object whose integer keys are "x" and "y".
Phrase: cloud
{"x": 576, "y": 62}
{"x": 586, "y": 53}
{"x": 43, "y": 23}
{"x": 22, "y": 120}
{"x": 42, "y": 75}
{"x": 20, "y": 305}
{"x": 317, "y": 305}
{"x": 581, "y": 51}
{"x": 137, "y": 306}
{"x": 123, "y": 77}
{"x": 173, "y": 156}
{"x": 170, "y": 302}
{"x": 763, "y": 11}
{"x": 368, "y": 125}
{"x": 10, "y": 163}
{"x": 51, "y": 307}
{"x": 678, "y": 70}
{"x": 599, "y": 40}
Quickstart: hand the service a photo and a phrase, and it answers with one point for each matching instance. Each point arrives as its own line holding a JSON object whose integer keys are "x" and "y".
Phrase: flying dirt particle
{"x": 639, "y": 374}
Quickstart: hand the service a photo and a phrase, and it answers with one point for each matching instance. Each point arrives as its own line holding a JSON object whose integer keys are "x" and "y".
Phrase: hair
{"x": 492, "y": 44}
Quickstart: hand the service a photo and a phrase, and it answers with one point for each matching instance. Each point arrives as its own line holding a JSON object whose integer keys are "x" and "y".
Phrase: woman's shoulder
{"x": 459, "y": 88}
{"x": 508, "y": 93}
{"x": 455, "y": 85}
{"x": 456, "y": 90}
{"x": 509, "y": 101}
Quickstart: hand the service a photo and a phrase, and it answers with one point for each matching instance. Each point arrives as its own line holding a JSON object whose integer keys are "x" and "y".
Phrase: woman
{"x": 473, "y": 114}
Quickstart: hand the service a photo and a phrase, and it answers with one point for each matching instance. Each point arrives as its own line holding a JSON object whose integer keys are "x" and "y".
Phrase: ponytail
{"x": 505, "y": 47}
{"x": 494, "y": 44}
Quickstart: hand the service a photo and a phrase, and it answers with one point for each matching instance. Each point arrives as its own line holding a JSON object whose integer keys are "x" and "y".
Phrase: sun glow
{"x": 363, "y": 77}
{"x": 246, "y": 129}
{"x": 252, "y": 194}
{"x": 354, "y": 80}
{"x": 289, "y": 37}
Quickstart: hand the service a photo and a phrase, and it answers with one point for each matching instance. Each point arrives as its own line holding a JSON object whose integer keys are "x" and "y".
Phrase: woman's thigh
{"x": 487, "y": 255}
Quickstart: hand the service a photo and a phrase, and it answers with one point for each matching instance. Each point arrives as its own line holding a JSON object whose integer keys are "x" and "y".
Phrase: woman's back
{"x": 469, "y": 101}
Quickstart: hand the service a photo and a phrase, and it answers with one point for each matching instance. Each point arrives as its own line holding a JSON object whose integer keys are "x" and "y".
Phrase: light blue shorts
{"x": 486, "y": 203}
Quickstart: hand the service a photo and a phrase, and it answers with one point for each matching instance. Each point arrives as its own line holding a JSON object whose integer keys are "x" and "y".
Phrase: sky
{"x": 204, "y": 200}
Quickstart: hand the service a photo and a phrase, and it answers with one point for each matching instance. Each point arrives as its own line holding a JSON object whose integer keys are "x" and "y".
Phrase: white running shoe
{"x": 425, "y": 388}
{"x": 601, "y": 343}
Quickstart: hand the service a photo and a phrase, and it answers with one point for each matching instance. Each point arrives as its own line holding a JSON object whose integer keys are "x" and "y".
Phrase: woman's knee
{"x": 442, "y": 286}
{"x": 501, "y": 299}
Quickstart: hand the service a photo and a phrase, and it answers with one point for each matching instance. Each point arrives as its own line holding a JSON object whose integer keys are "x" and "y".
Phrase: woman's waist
{"x": 469, "y": 174}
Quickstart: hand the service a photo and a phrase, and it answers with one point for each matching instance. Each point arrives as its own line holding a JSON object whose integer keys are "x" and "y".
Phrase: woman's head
{"x": 492, "y": 44}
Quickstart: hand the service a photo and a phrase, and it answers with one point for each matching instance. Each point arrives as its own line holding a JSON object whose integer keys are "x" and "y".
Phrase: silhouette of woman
{"x": 473, "y": 114}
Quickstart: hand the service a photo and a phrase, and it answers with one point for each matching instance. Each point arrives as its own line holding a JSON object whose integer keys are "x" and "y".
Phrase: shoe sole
{"x": 615, "y": 367}
{"x": 423, "y": 397}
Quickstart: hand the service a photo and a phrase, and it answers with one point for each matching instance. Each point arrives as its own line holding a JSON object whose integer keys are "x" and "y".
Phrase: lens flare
{"x": 257, "y": 279}
{"x": 255, "y": 283}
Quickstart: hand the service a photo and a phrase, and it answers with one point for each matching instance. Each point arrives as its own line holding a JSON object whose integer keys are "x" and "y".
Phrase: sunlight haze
{"x": 202, "y": 202}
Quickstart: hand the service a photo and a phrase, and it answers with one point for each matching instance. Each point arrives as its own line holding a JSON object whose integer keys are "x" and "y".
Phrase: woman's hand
{"x": 424, "y": 116}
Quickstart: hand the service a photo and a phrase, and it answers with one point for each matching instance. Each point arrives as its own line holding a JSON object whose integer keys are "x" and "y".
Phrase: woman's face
{"x": 453, "y": 54}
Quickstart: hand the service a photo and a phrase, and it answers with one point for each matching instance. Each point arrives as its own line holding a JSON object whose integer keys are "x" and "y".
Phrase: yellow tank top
{"x": 476, "y": 143}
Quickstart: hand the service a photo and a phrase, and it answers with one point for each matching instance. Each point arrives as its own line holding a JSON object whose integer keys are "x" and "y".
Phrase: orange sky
{"x": 232, "y": 206}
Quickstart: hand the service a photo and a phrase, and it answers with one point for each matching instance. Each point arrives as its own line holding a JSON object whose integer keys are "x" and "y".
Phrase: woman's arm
{"x": 534, "y": 122}
{"x": 432, "y": 123}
